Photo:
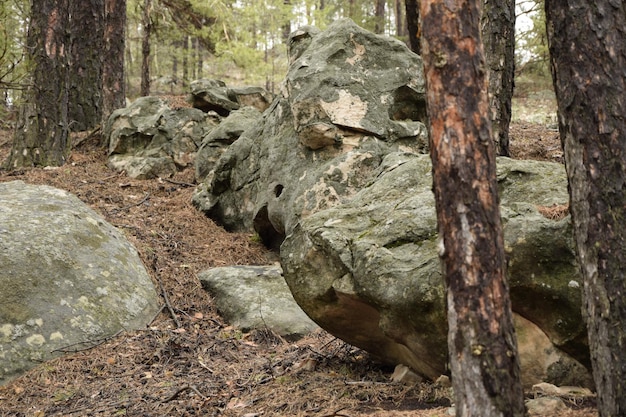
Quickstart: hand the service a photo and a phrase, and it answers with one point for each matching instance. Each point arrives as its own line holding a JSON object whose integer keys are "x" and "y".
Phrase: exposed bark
{"x": 42, "y": 135}
{"x": 87, "y": 32}
{"x": 113, "y": 78}
{"x": 413, "y": 25}
{"x": 588, "y": 55}
{"x": 481, "y": 338}
{"x": 498, "y": 30}
{"x": 145, "y": 48}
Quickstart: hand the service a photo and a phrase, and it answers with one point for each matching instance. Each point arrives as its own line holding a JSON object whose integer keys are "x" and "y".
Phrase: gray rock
{"x": 213, "y": 95}
{"x": 219, "y": 139}
{"x": 67, "y": 277}
{"x": 256, "y": 297}
{"x": 323, "y": 138}
{"x": 368, "y": 271}
{"x": 148, "y": 139}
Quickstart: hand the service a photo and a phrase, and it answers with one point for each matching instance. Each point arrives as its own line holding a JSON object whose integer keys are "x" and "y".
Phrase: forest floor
{"x": 188, "y": 361}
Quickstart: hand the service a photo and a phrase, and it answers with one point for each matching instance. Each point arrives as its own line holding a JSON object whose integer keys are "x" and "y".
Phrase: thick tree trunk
{"x": 42, "y": 136}
{"x": 498, "y": 30}
{"x": 413, "y": 22}
{"x": 588, "y": 55}
{"x": 145, "y": 48}
{"x": 87, "y": 31}
{"x": 481, "y": 338}
{"x": 113, "y": 79}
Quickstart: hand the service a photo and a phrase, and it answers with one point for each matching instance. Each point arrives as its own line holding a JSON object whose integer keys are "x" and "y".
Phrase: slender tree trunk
{"x": 113, "y": 78}
{"x": 400, "y": 19}
{"x": 413, "y": 25}
{"x": 185, "y": 61}
{"x": 498, "y": 23}
{"x": 145, "y": 48}
{"x": 588, "y": 55}
{"x": 481, "y": 338}
{"x": 200, "y": 58}
{"x": 85, "y": 94}
{"x": 379, "y": 17}
{"x": 42, "y": 134}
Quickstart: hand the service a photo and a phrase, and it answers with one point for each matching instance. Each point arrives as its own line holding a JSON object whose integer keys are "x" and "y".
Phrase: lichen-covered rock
{"x": 256, "y": 297}
{"x": 349, "y": 98}
{"x": 219, "y": 139}
{"x": 213, "y": 95}
{"x": 67, "y": 277}
{"x": 368, "y": 270}
{"x": 149, "y": 139}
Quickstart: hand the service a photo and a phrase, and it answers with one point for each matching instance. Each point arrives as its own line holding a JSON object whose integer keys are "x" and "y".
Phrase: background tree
{"x": 146, "y": 24}
{"x": 481, "y": 337}
{"x": 412, "y": 20}
{"x": 588, "y": 52}
{"x": 42, "y": 132}
{"x": 113, "y": 68}
{"x": 498, "y": 30}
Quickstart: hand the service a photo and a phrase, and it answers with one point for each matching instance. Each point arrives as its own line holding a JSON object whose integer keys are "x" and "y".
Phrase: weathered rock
{"x": 148, "y": 139}
{"x": 322, "y": 139}
{"x": 256, "y": 297}
{"x": 213, "y": 95}
{"x": 334, "y": 166}
{"x": 67, "y": 277}
{"x": 219, "y": 139}
{"x": 368, "y": 271}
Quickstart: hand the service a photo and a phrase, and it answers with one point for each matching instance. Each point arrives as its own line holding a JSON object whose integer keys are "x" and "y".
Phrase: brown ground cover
{"x": 188, "y": 361}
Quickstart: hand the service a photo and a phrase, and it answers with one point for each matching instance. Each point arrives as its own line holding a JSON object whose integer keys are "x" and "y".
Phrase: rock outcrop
{"x": 148, "y": 139}
{"x": 332, "y": 177}
{"x": 68, "y": 277}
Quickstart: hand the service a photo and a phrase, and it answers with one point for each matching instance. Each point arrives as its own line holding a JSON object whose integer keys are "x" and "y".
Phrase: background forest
{"x": 241, "y": 42}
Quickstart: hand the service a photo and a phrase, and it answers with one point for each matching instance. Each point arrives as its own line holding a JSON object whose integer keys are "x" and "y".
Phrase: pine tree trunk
{"x": 379, "y": 17}
{"x": 42, "y": 136}
{"x": 412, "y": 23}
{"x": 588, "y": 54}
{"x": 481, "y": 337}
{"x": 87, "y": 31}
{"x": 145, "y": 48}
{"x": 498, "y": 22}
{"x": 113, "y": 79}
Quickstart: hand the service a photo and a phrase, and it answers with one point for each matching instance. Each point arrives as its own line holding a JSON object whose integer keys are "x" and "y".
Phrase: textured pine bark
{"x": 588, "y": 54}
{"x": 86, "y": 31}
{"x": 481, "y": 338}
{"x": 498, "y": 30}
{"x": 113, "y": 82}
{"x": 42, "y": 136}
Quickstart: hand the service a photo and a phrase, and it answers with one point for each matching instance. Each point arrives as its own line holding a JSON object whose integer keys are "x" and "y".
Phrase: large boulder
{"x": 149, "y": 139}
{"x": 349, "y": 98}
{"x": 368, "y": 270}
{"x": 68, "y": 277}
{"x": 256, "y": 297}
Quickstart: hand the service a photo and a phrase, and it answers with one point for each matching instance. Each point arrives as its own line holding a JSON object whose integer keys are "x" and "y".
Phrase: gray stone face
{"x": 219, "y": 139}
{"x": 67, "y": 276}
{"x": 256, "y": 297}
{"x": 322, "y": 139}
{"x": 368, "y": 271}
{"x": 148, "y": 139}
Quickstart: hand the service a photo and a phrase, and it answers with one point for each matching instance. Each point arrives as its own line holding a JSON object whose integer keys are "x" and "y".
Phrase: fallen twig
{"x": 184, "y": 184}
{"x": 94, "y": 343}
{"x": 180, "y": 390}
{"x": 167, "y": 302}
